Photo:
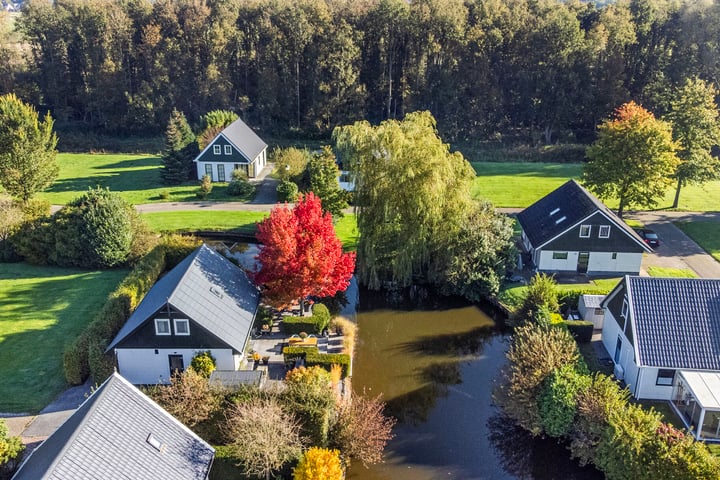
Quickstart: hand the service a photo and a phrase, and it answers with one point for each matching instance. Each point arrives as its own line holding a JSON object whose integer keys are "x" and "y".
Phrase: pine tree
{"x": 180, "y": 150}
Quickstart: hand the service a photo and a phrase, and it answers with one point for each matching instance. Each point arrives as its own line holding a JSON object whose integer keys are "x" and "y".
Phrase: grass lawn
{"x": 517, "y": 184}
{"x": 41, "y": 310}
{"x": 135, "y": 177}
{"x": 235, "y": 221}
{"x": 671, "y": 272}
{"x": 705, "y": 234}
{"x": 512, "y": 295}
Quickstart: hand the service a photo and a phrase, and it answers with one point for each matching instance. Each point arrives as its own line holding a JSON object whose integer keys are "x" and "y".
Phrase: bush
{"x": 203, "y": 363}
{"x": 536, "y": 351}
{"x": 240, "y": 186}
{"x": 556, "y": 402}
{"x": 310, "y": 396}
{"x": 580, "y": 329}
{"x": 177, "y": 247}
{"x": 316, "y": 323}
{"x": 205, "y": 187}
{"x": 11, "y": 449}
{"x": 319, "y": 464}
{"x": 164, "y": 195}
{"x": 287, "y": 191}
{"x": 568, "y": 299}
{"x": 188, "y": 398}
{"x": 541, "y": 300}
{"x": 327, "y": 360}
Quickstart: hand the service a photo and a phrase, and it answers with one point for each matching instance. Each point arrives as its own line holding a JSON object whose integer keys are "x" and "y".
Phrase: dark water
{"x": 436, "y": 370}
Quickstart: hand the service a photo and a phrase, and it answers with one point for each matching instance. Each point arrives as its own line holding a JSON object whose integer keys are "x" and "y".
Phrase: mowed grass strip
{"x": 42, "y": 309}
{"x": 706, "y": 234}
{"x": 135, "y": 177}
{"x": 233, "y": 221}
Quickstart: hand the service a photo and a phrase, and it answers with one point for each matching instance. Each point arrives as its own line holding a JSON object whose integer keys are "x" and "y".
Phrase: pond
{"x": 436, "y": 370}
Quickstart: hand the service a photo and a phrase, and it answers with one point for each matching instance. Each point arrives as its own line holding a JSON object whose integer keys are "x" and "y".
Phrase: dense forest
{"x": 538, "y": 71}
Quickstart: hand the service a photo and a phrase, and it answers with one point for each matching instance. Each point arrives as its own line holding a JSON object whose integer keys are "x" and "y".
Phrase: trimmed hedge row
{"x": 318, "y": 322}
{"x": 85, "y": 356}
{"x": 569, "y": 298}
{"x": 313, "y": 357}
{"x": 581, "y": 330}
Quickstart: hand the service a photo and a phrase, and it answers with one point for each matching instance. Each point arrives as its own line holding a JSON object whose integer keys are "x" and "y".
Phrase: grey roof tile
{"x": 210, "y": 290}
{"x": 106, "y": 438}
{"x": 676, "y": 321}
{"x": 571, "y": 201}
{"x": 244, "y": 138}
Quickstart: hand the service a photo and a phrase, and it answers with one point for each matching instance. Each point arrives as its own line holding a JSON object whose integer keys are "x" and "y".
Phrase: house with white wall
{"x": 663, "y": 335}
{"x": 570, "y": 230}
{"x": 204, "y": 303}
{"x": 237, "y": 147}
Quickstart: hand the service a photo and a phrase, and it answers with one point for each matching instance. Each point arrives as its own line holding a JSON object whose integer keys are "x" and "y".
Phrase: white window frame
{"x": 589, "y": 231}
{"x": 625, "y": 309}
{"x": 663, "y": 380}
{"x": 607, "y": 231}
{"x": 614, "y": 255}
{"x": 228, "y": 150}
{"x": 217, "y": 150}
{"x": 166, "y": 321}
{"x": 178, "y": 321}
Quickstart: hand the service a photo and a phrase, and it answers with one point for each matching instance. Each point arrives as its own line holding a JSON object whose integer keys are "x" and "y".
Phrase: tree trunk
{"x": 677, "y": 194}
{"x": 621, "y": 207}
{"x": 297, "y": 89}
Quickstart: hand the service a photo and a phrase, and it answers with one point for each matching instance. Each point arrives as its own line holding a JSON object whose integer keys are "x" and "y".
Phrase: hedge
{"x": 313, "y": 357}
{"x": 581, "y": 330}
{"x": 316, "y": 323}
{"x": 85, "y": 356}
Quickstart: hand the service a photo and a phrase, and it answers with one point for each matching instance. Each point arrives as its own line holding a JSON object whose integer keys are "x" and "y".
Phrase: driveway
{"x": 676, "y": 249}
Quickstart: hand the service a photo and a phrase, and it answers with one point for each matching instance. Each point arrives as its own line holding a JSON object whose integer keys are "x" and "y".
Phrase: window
{"x": 208, "y": 170}
{"x": 604, "y": 231}
{"x": 665, "y": 377}
{"x": 599, "y": 312}
{"x": 625, "y": 307}
{"x": 585, "y": 231}
{"x": 618, "y": 350}
{"x": 614, "y": 256}
{"x": 560, "y": 255}
{"x": 162, "y": 326}
{"x": 561, "y": 219}
{"x": 554, "y": 212}
{"x": 216, "y": 150}
{"x": 228, "y": 150}
{"x": 182, "y": 326}
{"x": 221, "y": 172}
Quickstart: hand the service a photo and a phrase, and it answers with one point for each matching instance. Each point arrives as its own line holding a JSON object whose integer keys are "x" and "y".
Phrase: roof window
{"x": 554, "y": 212}
{"x": 560, "y": 219}
{"x": 216, "y": 291}
{"x": 156, "y": 444}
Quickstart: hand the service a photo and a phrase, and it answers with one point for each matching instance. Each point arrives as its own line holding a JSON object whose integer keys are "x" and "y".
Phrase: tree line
{"x": 538, "y": 70}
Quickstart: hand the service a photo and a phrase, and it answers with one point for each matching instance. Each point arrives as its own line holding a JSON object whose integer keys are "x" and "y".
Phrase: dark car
{"x": 650, "y": 237}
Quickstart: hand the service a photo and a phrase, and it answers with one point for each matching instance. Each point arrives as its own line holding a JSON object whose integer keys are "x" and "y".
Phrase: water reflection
{"x": 436, "y": 370}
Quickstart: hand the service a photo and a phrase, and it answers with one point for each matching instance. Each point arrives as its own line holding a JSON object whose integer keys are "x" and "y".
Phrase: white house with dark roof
{"x": 570, "y": 230}
{"x": 237, "y": 147}
{"x": 663, "y": 335}
{"x": 204, "y": 303}
{"x": 118, "y": 432}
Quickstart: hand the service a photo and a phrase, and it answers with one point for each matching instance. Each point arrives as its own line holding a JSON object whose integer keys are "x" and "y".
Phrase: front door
{"x": 583, "y": 259}
{"x": 176, "y": 364}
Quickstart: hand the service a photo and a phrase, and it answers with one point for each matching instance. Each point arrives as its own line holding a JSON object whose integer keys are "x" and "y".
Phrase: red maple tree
{"x": 300, "y": 254}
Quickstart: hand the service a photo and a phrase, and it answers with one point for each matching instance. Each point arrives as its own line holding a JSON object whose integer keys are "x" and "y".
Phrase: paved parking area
{"x": 676, "y": 249}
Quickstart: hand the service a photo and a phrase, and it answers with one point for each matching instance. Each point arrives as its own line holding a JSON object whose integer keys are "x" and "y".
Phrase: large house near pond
{"x": 204, "y": 303}
{"x": 570, "y": 230}
{"x": 237, "y": 147}
{"x": 663, "y": 335}
{"x": 118, "y": 432}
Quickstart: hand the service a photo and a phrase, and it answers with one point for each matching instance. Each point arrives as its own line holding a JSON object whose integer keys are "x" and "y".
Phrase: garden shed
{"x": 591, "y": 310}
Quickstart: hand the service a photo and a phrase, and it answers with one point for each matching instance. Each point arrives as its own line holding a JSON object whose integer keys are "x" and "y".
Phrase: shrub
{"x": 568, "y": 298}
{"x": 328, "y": 360}
{"x": 319, "y": 464}
{"x": 11, "y": 449}
{"x": 205, "y": 187}
{"x": 240, "y": 186}
{"x": 310, "y": 396}
{"x": 177, "y": 247}
{"x": 203, "y": 363}
{"x": 541, "y": 300}
{"x": 556, "y": 401}
{"x": 316, "y": 323}
{"x": 290, "y": 163}
{"x": 164, "y": 195}
{"x": 581, "y": 330}
{"x": 536, "y": 351}
{"x": 287, "y": 191}
{"x": 188, "y": 398}
{"x": 594, "y": 404}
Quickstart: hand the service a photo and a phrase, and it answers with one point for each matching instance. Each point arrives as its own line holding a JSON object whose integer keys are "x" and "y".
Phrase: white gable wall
{"x": 142, "y": 366}
{"x": 256, "y": 167}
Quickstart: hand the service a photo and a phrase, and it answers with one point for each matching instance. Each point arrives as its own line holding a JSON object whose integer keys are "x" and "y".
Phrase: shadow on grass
{"x": 134, "y": 163}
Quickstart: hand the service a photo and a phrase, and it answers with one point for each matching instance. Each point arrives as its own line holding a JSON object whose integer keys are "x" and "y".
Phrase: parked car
{"x": 650, "y": 237}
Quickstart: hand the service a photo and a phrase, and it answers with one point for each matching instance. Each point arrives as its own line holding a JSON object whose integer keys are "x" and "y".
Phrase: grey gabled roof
{"x": 562, "y": 209}
{"x": 243, "y": 138}
{"x": 210, "y": 290}
{"x": 676, "y": 321}
{"x": 107, "y": 438}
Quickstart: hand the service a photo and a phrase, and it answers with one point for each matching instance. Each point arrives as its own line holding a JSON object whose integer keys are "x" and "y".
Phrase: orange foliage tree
{"x": 300, "y": 254}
